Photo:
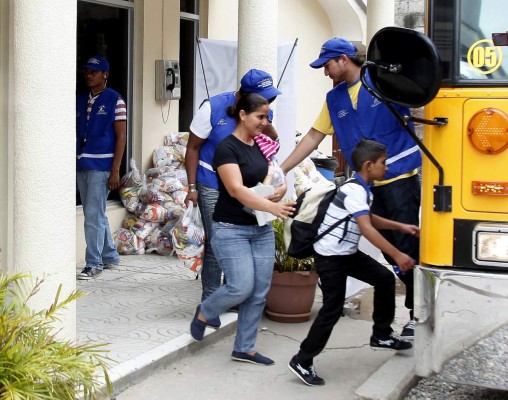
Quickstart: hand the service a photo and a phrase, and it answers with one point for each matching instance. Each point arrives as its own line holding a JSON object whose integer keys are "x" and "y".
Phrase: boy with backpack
{"x": 336, "y": 257}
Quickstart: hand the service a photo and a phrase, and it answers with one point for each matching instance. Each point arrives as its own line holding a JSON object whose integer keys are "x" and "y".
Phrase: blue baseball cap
{"x": 96, "y": 63}
{"x": 334, "y": 48}
{"x": 260, "y": 82}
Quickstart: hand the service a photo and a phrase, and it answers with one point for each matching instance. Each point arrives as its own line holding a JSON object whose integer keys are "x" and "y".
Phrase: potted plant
{"x": 293, "y": 286}
{"x": 34, "y": 362}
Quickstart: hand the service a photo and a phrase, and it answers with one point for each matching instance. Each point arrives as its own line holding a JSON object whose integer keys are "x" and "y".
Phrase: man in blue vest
{"x": 101, "y": 126}
{"x": 209, "y": 126}
{"x": 352, "y": 114}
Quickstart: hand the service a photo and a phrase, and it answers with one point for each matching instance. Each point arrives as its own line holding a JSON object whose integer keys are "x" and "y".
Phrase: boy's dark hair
{"x": 247, "y": 102}
{"x": 366, "y": 150}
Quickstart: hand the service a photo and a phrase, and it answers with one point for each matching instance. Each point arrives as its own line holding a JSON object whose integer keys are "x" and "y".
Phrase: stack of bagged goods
{"x": 156, "y": 202}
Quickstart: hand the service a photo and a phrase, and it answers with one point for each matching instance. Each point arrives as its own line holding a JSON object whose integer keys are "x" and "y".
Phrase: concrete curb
{"x": 392, "y": 381}
{"x": 135, "y": 370}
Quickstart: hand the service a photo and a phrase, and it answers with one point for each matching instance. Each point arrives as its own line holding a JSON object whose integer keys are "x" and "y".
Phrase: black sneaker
{"x": 306, "y": 375}
{"x": 89, "y": 273}
{"x": 390, "y": 343}
{"x": 408, "y": 332}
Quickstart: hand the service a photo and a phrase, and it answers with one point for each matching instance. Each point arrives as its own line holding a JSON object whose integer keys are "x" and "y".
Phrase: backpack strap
{"x": 332, "y": 227}
{"x": 346, "y": 219}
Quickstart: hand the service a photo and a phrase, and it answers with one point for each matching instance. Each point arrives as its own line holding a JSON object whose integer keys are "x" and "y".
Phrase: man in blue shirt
{"x": 352, "y": 113}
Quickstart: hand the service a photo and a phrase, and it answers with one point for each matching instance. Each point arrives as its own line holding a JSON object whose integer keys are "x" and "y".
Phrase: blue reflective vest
{"x": 372, "y": 120}
{"x": 96, "y": 153}
{"x": 222, "y": 126}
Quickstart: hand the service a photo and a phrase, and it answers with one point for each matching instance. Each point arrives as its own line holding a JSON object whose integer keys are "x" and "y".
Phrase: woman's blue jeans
{"x": 246, "y": 255}
{"x": 93, "y": 190}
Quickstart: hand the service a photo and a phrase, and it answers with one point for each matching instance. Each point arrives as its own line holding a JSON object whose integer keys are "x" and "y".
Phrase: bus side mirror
{"x": 404, "y": 66}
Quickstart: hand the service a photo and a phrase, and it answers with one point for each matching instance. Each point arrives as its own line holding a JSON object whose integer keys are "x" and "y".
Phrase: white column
{"x": 380, "y": 14}
{"x": 42, "y": 94}
{"x": 257, "y": 36}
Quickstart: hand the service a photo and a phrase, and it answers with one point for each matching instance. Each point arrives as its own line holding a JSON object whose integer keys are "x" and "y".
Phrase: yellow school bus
{"x": 458, "y": 71}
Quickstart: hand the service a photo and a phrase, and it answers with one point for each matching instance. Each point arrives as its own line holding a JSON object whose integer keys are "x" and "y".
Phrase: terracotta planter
{"x": 291, "y": 296}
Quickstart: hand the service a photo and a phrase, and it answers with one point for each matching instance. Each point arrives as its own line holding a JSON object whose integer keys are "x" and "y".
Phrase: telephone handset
{"x": 167, "y": 80}
{"x": 170, "y": 79}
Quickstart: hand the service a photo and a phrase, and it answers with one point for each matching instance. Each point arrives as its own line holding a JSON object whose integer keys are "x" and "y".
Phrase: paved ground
{"x": 143, "y": 308}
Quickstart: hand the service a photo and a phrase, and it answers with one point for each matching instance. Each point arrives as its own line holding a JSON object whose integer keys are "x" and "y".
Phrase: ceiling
{"x": 348, "y": 19}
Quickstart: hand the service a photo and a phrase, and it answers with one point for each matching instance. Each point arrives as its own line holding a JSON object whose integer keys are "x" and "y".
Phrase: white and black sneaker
{"x": 307, "y": 375}
{"x": 408, "y": 332}
{"x": 89, "y": 273}
{"x": 390, "y": 343}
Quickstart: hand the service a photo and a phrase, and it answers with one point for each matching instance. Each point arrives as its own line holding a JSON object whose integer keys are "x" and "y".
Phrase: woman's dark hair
{"x": 247, "y": 102}
{"x": 366, "y": 150}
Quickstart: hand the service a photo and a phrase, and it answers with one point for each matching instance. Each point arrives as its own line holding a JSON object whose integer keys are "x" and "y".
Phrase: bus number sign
{"x": 484, "y": 57}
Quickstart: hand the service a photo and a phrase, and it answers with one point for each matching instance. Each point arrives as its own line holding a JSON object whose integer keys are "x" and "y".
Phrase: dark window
{"x": 104, "y": 30}
{"x": 189, "y": 29}
{"x": 189, "y": 6}
{"x": 462, "y": 31}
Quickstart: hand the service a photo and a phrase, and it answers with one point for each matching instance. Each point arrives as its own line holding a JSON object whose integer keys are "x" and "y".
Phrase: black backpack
{"x": 300, "y": 230}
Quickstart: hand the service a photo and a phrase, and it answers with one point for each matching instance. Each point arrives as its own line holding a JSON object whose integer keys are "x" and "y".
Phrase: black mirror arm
{"x": 438, "y": 121}
{"x": 401, "y": 119}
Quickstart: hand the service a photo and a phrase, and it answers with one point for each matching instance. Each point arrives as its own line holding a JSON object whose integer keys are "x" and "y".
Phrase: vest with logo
{"x": 98, "y": 151}
{"x": 372, "y": 120}
{"x": 222, "y": 126}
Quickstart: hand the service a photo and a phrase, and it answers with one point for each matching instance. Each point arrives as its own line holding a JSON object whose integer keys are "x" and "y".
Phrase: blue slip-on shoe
{"x": 254, "y": 359}
{"x": 197, "y": 327}
{"x": 214, "y": 322}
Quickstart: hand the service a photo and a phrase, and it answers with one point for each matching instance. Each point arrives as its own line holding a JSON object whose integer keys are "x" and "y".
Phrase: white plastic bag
{"x": 188, "y": 238}
{"x": 130, "y": 185}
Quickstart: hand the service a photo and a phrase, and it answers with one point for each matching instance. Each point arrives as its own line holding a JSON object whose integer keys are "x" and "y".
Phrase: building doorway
{"x": 105, "y": 28}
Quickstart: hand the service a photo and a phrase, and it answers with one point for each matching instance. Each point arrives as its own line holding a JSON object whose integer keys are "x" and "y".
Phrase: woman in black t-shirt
{"x": 244, "y": 249}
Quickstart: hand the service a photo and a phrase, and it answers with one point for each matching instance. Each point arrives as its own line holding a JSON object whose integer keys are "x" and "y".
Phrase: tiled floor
{"x": 135, "y": 307}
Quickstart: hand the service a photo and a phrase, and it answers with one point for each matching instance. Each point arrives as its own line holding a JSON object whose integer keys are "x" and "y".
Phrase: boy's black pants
{"x": 333, "y": 272}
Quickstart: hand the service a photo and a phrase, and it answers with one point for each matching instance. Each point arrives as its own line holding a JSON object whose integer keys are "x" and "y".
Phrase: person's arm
{"x": 121, "y": 139}
{"x": 404, "y": 261}
{"x": 383, "y": 223}
{"x": 279, "y": 192}
{"x": 232, "y": 179}
{"x": 307, "y": 145}
{"x": 271, "y": 132}
{"x": 191, "y": 165}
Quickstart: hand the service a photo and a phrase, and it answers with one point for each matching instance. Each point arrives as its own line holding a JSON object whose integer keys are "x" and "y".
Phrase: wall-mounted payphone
{"x": 167, "y": 80}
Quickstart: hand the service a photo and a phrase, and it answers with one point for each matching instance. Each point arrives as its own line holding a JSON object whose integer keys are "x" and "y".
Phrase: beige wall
{"x": 307, "y": 21}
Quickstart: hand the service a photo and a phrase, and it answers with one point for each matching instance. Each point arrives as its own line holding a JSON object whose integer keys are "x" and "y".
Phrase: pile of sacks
{"x": 158, "y": 219}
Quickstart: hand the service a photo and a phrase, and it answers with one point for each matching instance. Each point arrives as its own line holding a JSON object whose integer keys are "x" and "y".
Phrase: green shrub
{"x": 34, "y": 363}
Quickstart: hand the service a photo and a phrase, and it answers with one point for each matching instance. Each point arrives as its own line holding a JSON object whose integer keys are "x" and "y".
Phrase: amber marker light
{"x": 489, "y": 188}
{"x": 488, "y": 130}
